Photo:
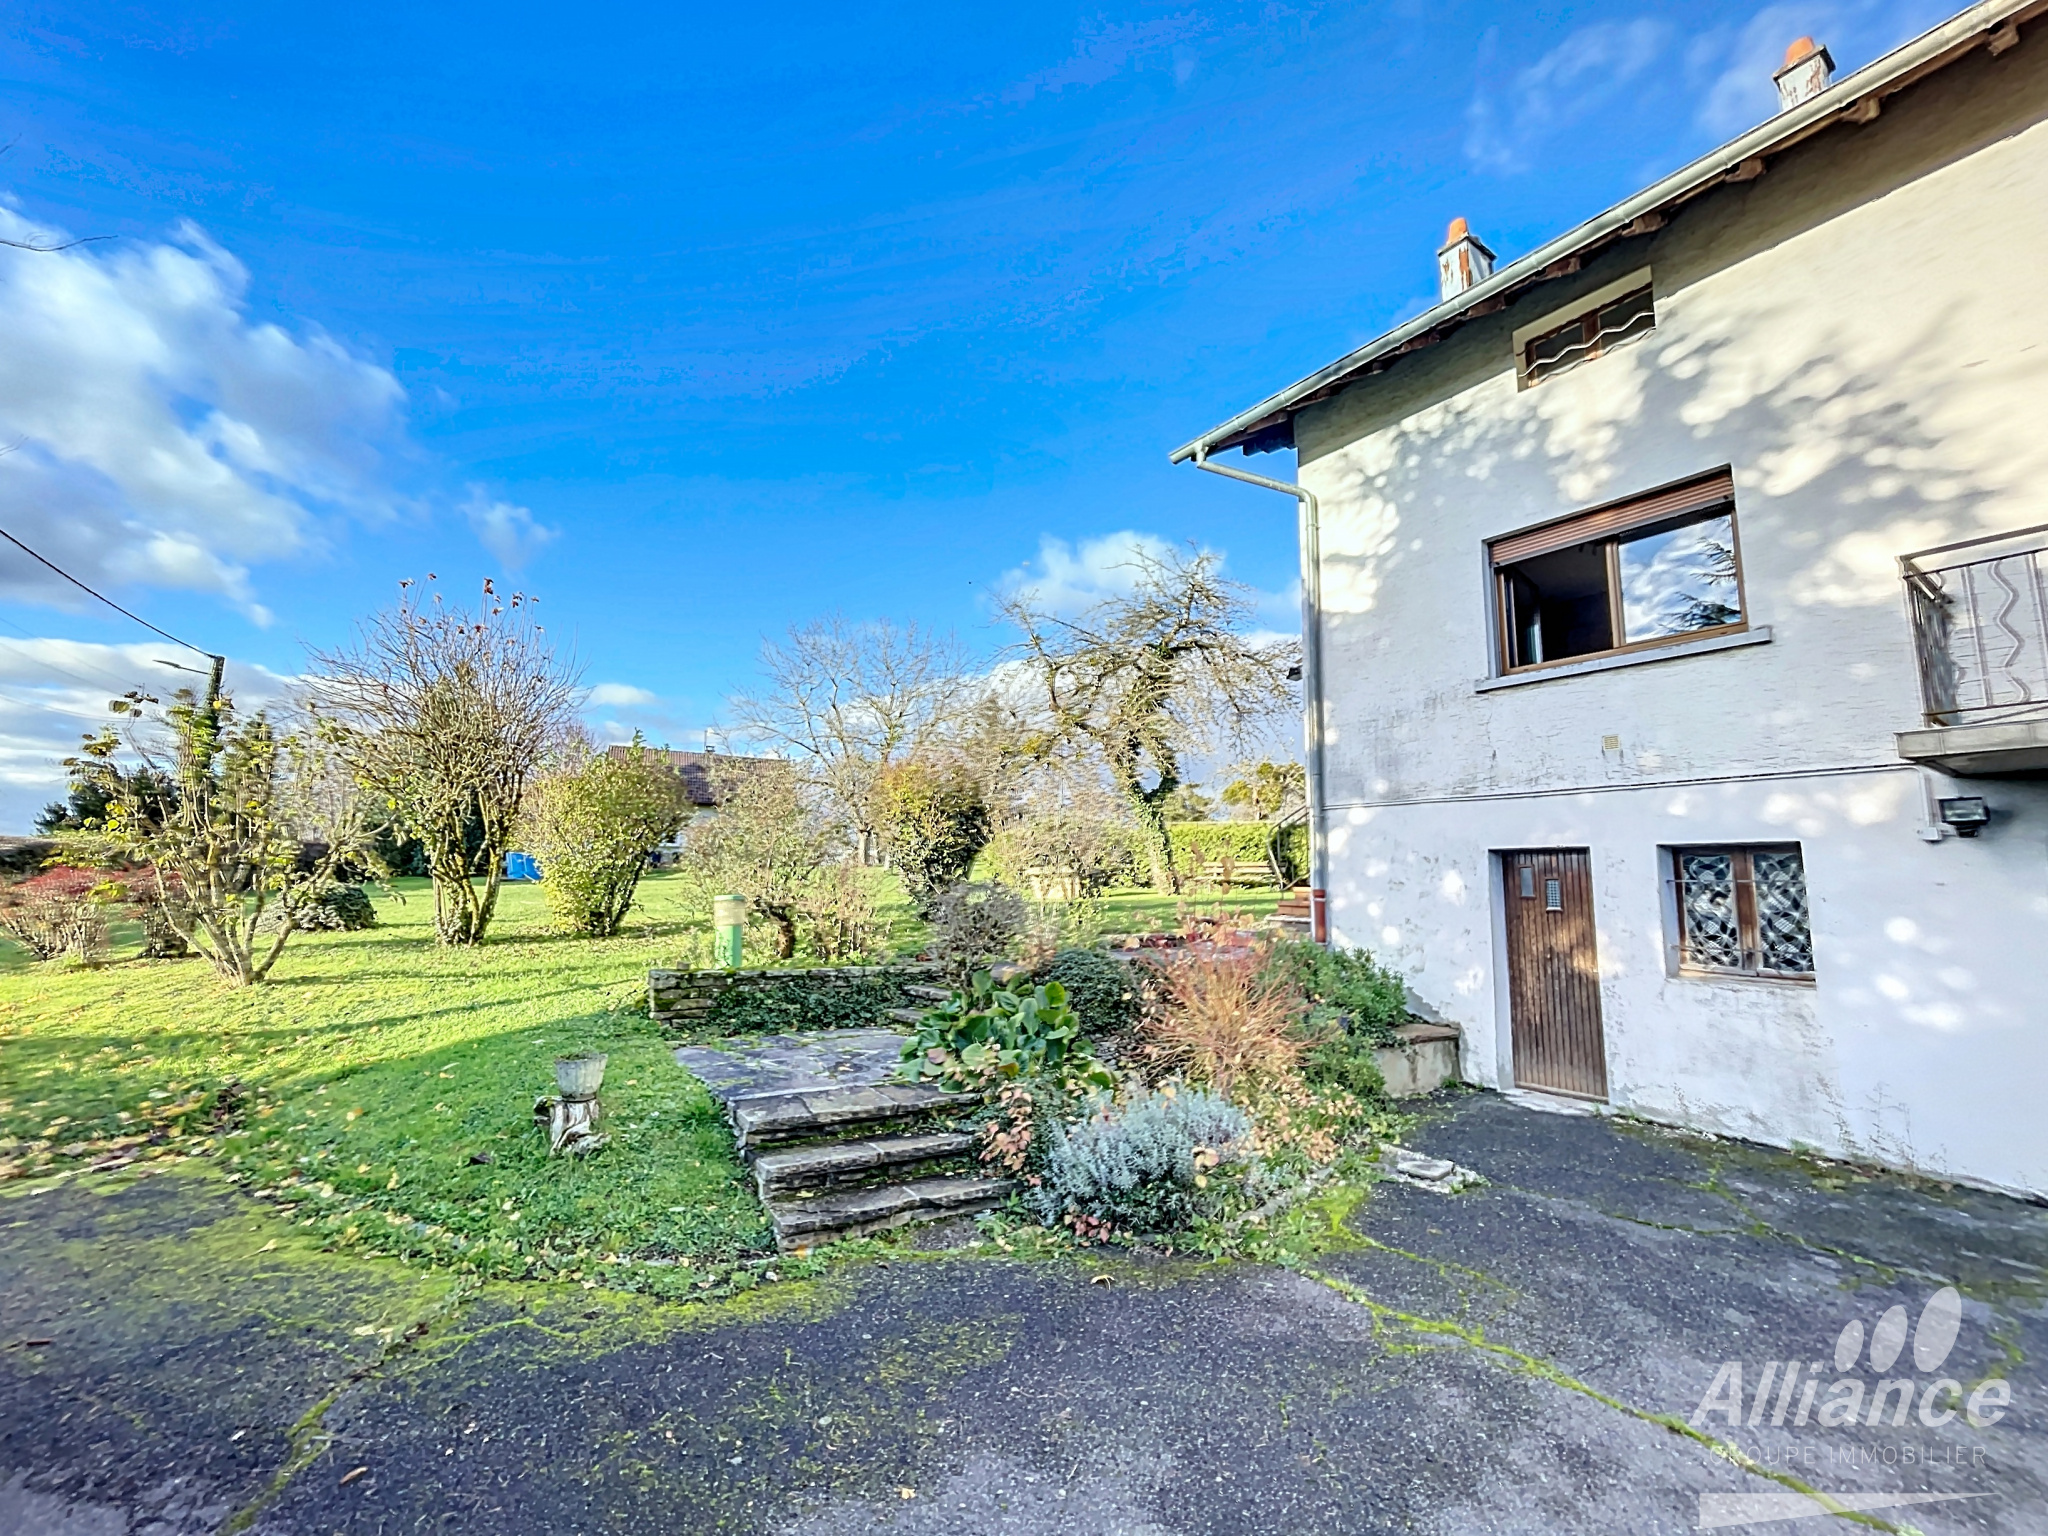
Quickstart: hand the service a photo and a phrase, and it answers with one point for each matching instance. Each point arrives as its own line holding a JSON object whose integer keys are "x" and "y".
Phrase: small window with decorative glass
{"x": 1742, "y": 910}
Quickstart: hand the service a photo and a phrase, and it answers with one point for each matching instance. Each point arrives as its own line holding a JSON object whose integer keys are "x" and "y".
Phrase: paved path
{"x": 835, "y": 1058}
{"x": 1488, "y": 1362}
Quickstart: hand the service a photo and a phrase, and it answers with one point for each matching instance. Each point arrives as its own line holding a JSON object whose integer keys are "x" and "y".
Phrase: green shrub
{"x": 1140, "y": 1166}
{"x": 1101, "y": 989}
{"x": 592, "y": 828}
{"x": 974, "y": 923}
{"x": 840, "y": 920}
{"x": 337, "y": 908}
{"x": 989, "y": 1033}
{"x": 933, "y": 819}
{"x": 1093, "y": 852}
{"x": 1292, "y": 846}
{"x": 1345, "y": 987}
{"x": 1345, "y": 1060}
{"x": 805, "y": 1002}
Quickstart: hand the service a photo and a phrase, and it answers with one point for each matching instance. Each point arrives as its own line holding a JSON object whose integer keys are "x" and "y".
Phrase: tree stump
{"x": 572, "y": 1122}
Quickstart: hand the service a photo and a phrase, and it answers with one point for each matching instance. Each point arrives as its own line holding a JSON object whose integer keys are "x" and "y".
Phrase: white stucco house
{"x": 1677, "y": 628}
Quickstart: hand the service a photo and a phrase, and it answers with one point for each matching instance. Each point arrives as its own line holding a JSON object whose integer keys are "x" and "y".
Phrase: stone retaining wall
{"x": 682, "y": 997}
{"x": 1423, "y": 1059}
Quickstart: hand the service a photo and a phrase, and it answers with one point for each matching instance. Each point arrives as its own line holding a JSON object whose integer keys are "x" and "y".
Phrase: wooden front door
{"x": 1554, "y": 972}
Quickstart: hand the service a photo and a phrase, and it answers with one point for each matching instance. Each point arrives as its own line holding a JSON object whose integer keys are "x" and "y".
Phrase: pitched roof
{"x": 1854, "y": 98}
{"x": 694, "y": 768}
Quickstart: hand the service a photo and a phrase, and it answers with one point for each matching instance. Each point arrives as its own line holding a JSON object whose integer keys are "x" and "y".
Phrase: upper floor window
{"x": 1599, "y": 330}
{"x": 1643, "y": 572}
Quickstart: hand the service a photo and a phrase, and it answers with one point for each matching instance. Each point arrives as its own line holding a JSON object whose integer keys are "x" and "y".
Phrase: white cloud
{"x": 54, "y": 692}
{"x": 160, "y": 434}
{"x": 1069, "y": 578}
{"x": 1735, "y": 64}
{"x": 620, "y": 696}
{"x": 1507, "y": 124}
{"x": 507, "y": 531}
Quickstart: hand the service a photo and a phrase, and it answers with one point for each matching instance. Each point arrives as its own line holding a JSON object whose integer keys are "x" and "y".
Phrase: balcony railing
{"x": 1980, "y": 627}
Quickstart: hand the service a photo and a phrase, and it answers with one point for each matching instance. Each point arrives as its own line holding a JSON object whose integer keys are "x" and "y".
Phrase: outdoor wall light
{"x": 1966, "y": 813}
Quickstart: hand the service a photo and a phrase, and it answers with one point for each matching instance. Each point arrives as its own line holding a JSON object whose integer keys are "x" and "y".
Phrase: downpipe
{"x": 1311, "y": 677}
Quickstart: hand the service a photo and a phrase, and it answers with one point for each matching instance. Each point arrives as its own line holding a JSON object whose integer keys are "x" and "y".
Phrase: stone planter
{"x": 1423, "y": 1059}
{"x": 579, "y": 1076}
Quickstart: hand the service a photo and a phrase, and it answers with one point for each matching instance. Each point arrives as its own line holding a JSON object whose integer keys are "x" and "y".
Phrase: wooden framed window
{"x": 1633, "y": 574}
{"x": 1584, "y": 337}
{"x": 1742, "y": 910}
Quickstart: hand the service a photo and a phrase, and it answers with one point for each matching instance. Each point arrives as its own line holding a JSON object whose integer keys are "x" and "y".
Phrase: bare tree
{"x": 847, "y": 700}
{"x": 768, "y": 842}
{"x": 1145, "y": 678}
{"x": 447, "y": 714}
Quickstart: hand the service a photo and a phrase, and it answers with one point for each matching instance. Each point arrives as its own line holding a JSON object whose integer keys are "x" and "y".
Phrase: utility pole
{"x": 209, "y": 708}
{"x": 212, "y": 711}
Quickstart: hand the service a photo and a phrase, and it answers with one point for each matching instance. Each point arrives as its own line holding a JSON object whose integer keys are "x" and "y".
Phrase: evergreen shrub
{"x": 1101, "y": 989}
{"x": 1141, "y": 1165}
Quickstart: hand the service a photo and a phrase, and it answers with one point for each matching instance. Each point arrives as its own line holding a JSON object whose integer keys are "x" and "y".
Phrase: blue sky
{"x": 701, "y": 322}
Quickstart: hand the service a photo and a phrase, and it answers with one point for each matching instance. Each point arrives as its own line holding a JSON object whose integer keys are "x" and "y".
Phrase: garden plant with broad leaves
{"x": 989, "y": 1033}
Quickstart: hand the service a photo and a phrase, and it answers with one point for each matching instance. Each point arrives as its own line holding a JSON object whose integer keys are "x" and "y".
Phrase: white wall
{"x": 1858, "y": 335}
{"x": 1923, "y": 1042}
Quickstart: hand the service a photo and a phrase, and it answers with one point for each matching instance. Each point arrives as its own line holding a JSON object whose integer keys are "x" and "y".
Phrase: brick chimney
{"x": 1463, "y": 261}
{"x": 1807, "y": 71}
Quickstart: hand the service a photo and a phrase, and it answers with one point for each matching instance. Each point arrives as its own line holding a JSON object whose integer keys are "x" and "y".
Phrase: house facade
{"x": 1679, "y": 629}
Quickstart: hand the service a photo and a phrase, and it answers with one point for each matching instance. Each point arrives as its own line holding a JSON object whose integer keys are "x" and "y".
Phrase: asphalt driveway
{"x": 1528, "y": 1356}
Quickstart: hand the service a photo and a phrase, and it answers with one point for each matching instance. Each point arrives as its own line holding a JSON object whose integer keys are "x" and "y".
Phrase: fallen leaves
{"x": 350, "y": 1476}
{"x": 1098, "y": 1279}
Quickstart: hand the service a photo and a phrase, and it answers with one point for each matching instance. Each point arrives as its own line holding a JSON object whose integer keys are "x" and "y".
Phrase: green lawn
{"x": 1142, "y": 911}
{"x": 385, "y": 1085}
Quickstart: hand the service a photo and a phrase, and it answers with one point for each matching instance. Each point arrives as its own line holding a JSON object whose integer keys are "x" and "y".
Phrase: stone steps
{"x": 840, "y": 1146}
{"x": 834, "y": 1164}
{"x": 911, "y": 1016}
{"x": 804, "y": 1223}
{"x": 769, "y": 1119}
{"x": 928, "y": 994}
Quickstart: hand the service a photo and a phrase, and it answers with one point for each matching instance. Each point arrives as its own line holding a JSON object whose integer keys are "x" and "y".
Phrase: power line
{"x": 98, "y": 680}
{"x": 102, "y": 681}
{"x": 166, "y": 634}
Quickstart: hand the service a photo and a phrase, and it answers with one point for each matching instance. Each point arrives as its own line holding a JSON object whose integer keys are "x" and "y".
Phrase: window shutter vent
{"x": 1700, "y": 495}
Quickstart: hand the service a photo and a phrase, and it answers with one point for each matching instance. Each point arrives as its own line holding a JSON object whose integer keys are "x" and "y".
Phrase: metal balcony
{"x": 1980, "y": 633}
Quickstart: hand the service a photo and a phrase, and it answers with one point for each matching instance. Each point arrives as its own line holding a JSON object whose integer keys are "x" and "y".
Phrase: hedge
{"x": 1194, "y": 842}
{"x": 1244, "y": 842}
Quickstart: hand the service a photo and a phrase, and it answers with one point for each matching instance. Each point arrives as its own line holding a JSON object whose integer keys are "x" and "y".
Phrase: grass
{"x": 383, "y": 1087}
{"x": 1148, "y": 911}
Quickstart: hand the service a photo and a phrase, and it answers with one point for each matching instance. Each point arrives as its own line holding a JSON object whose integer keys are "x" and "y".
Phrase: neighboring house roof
{"x": 1854, "y": 98}
{"x": 694, "y": 769}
